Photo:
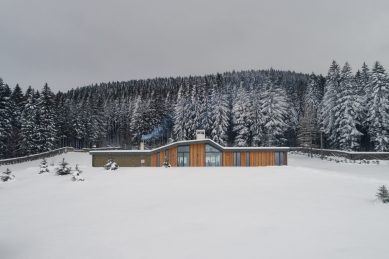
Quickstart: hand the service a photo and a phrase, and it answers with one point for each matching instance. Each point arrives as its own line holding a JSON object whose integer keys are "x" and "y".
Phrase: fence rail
{"x": 345, "y": 154}
{"x": 17, "y": 160}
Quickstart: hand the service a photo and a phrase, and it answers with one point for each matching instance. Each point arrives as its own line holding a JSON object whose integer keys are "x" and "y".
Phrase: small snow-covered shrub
{"x": 63, "y": 169}
{"x": 77, "y": 175}
{"x": 43, "y": 167}
{"x": 111, "y": 165}
{"x": 383, "y": 194}
{"x": 7, "y": 175}
{"x": 166, "y": 163}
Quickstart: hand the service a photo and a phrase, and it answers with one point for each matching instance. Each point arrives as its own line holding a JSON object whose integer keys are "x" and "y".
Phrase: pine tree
{"x": 43, "y": 168}
{"x": 47, "y": 127}
{"x": 6, "y": 109}
{"x": 77, "y": 175}
{"x": 378, "y": 113}
{"x": 63, "y": 168}
{"x": 308, "y": 129}
{"x": 7, "y": 175}
{"x": 347, "y": 108}
{"x": 383, "y": 194}
{"x": 329, "y": 102}
{"x": 275, "y": 111}
{"x": 29, "y": 126}
{"x": 111, "y": 164}
{"x": 220, "y": 112}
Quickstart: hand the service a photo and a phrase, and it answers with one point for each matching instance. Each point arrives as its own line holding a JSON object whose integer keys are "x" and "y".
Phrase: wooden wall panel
{"x": 162, "y": 158}
{"x": 153, "y": 160}
{"x": 173, "y": 156}
{"x": 228, "y": 158}
{"x": 242, "y": 158}
{"x": 261, "y": 158}
{"x": 285, "y": 158}
{"x": 197, "y": 154}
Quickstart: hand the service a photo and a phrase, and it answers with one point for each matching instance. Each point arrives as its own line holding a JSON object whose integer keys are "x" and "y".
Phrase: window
{"x": 167, "y": 153}
{"x": 279, "y": 158}
{"x": 158, "y": 160}
{"x": 183, "y": 156}
{"x": 213, "y": 156}
{"x": 247, "y": 158}
{"x": 236, "y": 158}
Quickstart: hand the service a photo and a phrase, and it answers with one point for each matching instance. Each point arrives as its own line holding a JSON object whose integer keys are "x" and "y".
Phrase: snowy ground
{"x": 309, "y": 209}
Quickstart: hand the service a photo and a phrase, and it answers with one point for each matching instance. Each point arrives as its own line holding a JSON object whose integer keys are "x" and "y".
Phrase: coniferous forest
{"x": 246, "y": 108}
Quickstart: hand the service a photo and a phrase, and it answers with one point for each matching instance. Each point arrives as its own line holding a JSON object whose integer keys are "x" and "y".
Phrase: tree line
{"x": 246, "y": 108}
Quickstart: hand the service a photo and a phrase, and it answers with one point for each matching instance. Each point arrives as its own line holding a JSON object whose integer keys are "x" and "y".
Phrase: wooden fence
{"x": 17, "y": 160}
{"x": 345, "y": 154}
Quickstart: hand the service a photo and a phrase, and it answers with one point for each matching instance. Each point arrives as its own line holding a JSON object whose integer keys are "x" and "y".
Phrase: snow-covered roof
{"x": 188, "y": 142}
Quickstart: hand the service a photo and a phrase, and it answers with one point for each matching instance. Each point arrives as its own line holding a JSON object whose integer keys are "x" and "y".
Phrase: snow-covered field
{"x": 309, "y": 209}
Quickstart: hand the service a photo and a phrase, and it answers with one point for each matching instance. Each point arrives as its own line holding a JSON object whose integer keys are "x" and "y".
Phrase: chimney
{"x": 142, "y": 145}
{"x": 200, "y": 134}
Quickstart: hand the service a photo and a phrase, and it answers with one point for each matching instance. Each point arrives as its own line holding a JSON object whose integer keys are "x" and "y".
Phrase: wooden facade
{"x": 173, "y": 156}
{"x": 197, "y": 155}
{"x": 228, "y": 158}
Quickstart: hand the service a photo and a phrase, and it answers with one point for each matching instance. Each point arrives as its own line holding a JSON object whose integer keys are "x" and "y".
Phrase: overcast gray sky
{"x": 70, "y": 43}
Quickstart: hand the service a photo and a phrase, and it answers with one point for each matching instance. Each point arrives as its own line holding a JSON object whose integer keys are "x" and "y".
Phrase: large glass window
{"x": 247, "y": 158}
{"x": 213, "y": 157}
{"x": 279, "y": 158}
{"x": 183, "y": 156}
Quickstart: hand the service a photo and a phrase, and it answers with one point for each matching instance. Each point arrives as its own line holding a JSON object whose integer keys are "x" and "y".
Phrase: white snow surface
{"x": 309, "y": 209}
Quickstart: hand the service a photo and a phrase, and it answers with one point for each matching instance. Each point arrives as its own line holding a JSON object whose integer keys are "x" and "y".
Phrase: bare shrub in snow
{"x": 7, "y": 175}
{"x": 63, "y": 169}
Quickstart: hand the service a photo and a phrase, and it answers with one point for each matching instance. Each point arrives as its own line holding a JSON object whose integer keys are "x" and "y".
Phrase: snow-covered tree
{"x": 77, "y": 175}
{"x": 47, "y": 127}
{"x": 378, "y": 108}
{"x": 166, "y": 163}
{"x": 111, "y": 165}
{"x": 383, "y": 194}
{"x": 43, "y": 167}
{"x": 274, "y": 109}
{"x": 220, "y": 123}
{"x": 5, "y": 119}
{"x": 347, "y": 108}
{"x": 308, "y": 131}
{"x": 63, "y": 168}
{"x": 329, "y": 102}
{"x": 7, "y": 175}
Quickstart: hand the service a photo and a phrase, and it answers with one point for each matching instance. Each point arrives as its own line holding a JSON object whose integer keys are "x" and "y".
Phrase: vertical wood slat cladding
{"x": 173, "y": 156}
{"x": 153, "y": 160}
{"x": 228, "y": 158}
{"x": 285, "y": 158}
{"x": 242, "y": 158}
{"x": 197, "y": 154}
{"x": 161, "y": 157}
{"x": 261, "y": 158}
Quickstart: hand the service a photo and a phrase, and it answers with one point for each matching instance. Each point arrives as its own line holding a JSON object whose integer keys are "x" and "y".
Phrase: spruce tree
{"x": 329, "y": 102}
{"x": 43, "y": 168}
{"x": 347, "y": 108}
{"x": 63, "y": 168}
{"x": 383, "y": 194}
{"x": 47, "y": 127}
{"x": 7, "y": 175}
{"x": 378, "y": 111}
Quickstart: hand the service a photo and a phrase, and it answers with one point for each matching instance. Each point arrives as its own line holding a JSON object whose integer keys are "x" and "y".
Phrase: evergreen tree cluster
{"x": 246, "y": 108}
{"x": 354, "y": 109}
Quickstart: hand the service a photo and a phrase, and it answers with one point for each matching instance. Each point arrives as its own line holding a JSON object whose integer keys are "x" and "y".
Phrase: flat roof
{"x": 188, "y": 142}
